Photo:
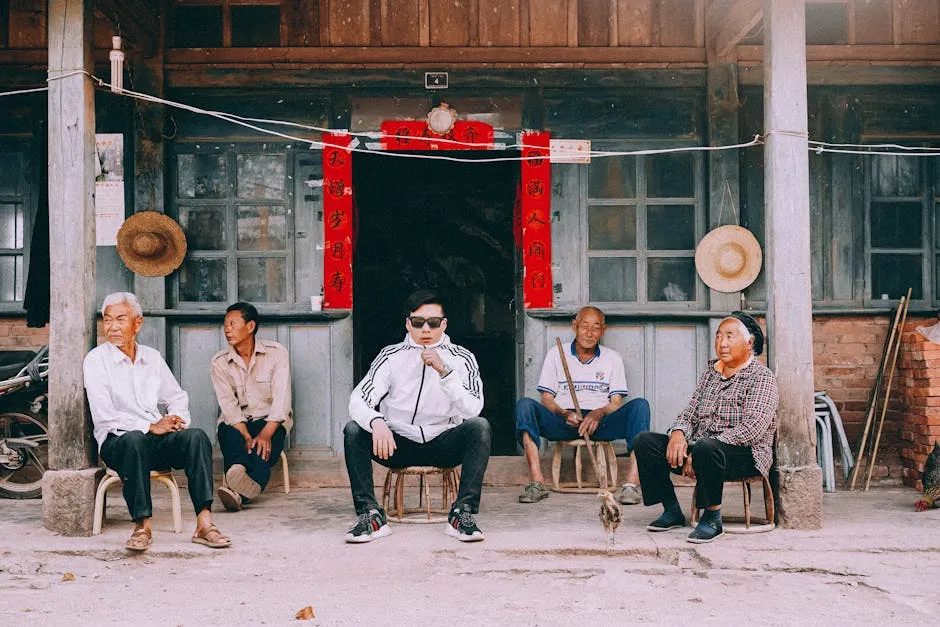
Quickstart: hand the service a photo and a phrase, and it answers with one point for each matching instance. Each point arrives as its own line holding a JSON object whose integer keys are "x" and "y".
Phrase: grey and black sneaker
{"x": 369, "y": 526}
{"x": 462, "y": 525}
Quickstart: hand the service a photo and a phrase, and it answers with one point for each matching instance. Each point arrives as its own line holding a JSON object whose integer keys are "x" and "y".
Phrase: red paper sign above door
{"x": 415, "y": 135}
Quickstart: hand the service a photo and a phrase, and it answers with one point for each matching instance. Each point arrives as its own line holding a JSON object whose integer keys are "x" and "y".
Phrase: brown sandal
{"x": 211, "y": 537}
{"x": 139, "y": 541}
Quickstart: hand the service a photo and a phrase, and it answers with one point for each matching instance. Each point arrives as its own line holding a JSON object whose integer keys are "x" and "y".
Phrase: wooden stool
{"x": 283, "y": 459}
{"x": 606, "y": 459}
{"x": 450, "y": 479}
{"x": 762, "y": 525}
{"x": 111, "y": 477}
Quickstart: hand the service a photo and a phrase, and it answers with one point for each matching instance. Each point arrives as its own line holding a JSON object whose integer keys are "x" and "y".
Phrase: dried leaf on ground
{"x": 305, "y": 613}
{"x": 68, "y": 577}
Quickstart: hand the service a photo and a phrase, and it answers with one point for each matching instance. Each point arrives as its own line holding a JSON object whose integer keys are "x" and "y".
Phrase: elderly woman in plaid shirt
{"x": 726, "y": 431}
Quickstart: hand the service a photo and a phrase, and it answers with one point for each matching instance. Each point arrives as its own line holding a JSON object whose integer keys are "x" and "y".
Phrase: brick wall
{"x": 847, "y": 352}
{"x": 919, "y": 369}
{"x": 15, "y": 335}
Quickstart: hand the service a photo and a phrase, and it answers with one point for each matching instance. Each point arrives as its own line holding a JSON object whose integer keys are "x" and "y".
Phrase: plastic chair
{"x": 111, "y": 477}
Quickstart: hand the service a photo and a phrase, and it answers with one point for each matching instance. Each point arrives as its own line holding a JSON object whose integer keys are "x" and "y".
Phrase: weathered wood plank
{"x": 72, "y": 228}
{"x": 302, "y": 18}
{"x": 349, "y": 22}
{"x": 727, "y": 28}
{"x": 873, "y": 22}
{"x": 27, "y": 24}
{"x": 635, "y": 22}
{"x": 450, "y": 22}
{"x": 593, "y": 22}
{"x": 408, "y": 55}
{"x": 678, "y": 25}
{"x": 4, "y": 24}
{"x": 548, "y": 23}
{"x": 401, "y": 22}
{"x": 499, "y": 22}
{"x": 136, "y": 22}
{"x": 917, "y": 21}
{"x": 910, "y": 53}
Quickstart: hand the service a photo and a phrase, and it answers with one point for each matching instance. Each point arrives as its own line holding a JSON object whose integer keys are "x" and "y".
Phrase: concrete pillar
{"x": 789, "y": 311}
{"x": 69, "y": 484}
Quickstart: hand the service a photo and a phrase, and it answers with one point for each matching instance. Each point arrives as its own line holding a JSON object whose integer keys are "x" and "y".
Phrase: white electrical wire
{"x": 817, "y": 147}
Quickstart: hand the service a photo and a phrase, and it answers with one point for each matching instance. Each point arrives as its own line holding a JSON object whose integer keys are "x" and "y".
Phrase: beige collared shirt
{"x": 254, "y": 391}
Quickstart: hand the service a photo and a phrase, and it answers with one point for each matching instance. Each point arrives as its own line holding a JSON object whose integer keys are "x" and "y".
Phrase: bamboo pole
{"x": 589, "y": 445}
{"x": 869, "y": 416}
{"x": 887, "y": 399}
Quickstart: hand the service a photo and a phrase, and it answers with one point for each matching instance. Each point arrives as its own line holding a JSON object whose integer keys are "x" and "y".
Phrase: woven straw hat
{"x": 728, "y": 259}
{"x": 151, "y": 243}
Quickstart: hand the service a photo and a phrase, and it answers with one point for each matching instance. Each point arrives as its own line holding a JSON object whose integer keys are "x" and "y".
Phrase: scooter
{"x": 24, "y": 430}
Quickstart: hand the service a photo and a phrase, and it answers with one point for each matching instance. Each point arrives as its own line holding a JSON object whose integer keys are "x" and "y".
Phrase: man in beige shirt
{"x": 252, "y": 384}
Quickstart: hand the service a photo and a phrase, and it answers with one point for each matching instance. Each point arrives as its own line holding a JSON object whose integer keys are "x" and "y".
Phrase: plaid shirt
{"x": 740, "y": 410}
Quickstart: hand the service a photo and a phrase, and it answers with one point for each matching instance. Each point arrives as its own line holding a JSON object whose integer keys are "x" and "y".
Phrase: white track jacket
{"x": 416, "y": 402}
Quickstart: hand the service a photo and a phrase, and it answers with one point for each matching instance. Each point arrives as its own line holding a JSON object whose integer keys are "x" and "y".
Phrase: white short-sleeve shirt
{"x": 595, "y": 380}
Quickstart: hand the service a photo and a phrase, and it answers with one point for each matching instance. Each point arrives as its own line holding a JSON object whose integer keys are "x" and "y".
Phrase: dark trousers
{"x": 714, "y": 463}
{"x": 624, "y": 424}
{"x": 466, "y": 445}
{"x": 134, "y": 454}
{"x": 232, "y": 443}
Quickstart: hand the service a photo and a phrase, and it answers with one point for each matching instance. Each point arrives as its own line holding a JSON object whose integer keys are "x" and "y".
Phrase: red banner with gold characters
{"x": 535, "y": 220}
{"x": 415, "y": 135}
{"x": 337, "y": 221}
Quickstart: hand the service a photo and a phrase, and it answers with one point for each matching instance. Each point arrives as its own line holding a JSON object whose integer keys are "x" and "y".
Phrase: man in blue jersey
{"x": 600, "y": 386}
{"x": 418, "y": 405}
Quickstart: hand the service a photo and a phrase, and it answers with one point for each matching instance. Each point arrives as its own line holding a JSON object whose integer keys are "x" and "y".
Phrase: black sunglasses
{"x": 417, "y": 322}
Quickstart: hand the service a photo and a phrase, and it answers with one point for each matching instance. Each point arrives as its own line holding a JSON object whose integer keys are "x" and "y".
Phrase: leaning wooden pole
{"x": 869, "y": 416}
{"x": 589, "y": 445}
{"x": 887, "y": 399}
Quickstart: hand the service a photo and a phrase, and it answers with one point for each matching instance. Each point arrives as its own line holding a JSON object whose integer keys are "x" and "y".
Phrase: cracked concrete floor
{"x": 876, "y": 561}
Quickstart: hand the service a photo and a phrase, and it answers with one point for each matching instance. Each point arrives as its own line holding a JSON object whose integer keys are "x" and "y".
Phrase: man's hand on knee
{"x": 383, "y": 441}
{"x": 676, "y": 449}
{"x": 167, "y": 424}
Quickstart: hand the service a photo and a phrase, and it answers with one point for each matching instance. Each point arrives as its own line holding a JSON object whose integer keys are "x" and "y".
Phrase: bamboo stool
{"x": 111, "y": 477}
{"x": 767, "y": 524}
{"x": 450, "y": 479}
{"x": 606, "y": 459}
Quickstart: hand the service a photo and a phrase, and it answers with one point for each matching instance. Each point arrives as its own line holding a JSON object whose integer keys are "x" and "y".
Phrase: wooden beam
{"x": 788, "y": 269}
{"x": 134, "y": 20}
{"x": 874, "y": 53}
{"x": 728, "y": 23}
{"x": 406, "y": 56}
{"x": 71, "y": 111}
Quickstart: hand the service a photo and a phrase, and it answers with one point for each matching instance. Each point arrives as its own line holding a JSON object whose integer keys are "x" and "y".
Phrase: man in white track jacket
{"x": 418, "y": 405}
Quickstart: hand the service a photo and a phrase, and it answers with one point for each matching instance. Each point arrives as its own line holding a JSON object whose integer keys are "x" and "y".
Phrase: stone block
{"x": 68, "y": 500}
{"x": 799, "y": 496}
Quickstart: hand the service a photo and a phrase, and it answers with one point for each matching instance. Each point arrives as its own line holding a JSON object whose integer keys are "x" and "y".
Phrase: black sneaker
{"x": 461, "y": 525}
{"x": 369, "y": 526}
{"x": 668, "y": 520}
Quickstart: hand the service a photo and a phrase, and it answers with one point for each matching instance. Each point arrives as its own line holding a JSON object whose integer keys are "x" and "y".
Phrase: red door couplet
{"x": 337, "y": 222}
{"x": 535, "y": 207}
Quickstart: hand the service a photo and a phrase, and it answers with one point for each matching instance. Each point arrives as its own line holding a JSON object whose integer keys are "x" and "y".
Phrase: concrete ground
{"x": 875, "y": 561}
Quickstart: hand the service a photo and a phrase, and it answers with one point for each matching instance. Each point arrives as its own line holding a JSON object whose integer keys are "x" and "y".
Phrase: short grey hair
{"x": 122, "y": 297}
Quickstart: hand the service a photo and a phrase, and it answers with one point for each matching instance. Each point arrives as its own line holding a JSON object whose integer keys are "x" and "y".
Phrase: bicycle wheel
{"x": 24, "y": 480}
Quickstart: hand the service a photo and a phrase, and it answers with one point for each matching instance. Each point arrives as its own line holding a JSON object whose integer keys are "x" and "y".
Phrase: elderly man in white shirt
{"x": 141, "y": 418}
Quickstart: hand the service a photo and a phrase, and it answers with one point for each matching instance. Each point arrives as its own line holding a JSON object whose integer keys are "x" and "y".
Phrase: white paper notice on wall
{"x": 109, "y": 187}
{"x": 570, "y": 150}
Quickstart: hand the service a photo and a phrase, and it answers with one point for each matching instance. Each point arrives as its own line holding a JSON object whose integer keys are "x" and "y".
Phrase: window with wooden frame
{"x": 901, "y": 196}
{"x": 15, "y": 219}
{"x": 644, "y": 216}
{"x": 226, "y": 23}
{"x": 234, "y": 204}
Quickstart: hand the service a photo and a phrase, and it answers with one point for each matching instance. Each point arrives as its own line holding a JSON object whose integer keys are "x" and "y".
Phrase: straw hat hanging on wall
{"x": 728, "y": 258}
{"x": 151, "y": 243}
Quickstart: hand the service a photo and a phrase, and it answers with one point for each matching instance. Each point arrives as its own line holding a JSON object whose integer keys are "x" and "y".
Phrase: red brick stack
{"x": 919, "y": 372}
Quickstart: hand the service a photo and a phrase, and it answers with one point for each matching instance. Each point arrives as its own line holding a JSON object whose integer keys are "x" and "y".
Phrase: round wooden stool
{"x": 762, "y": 525}
{"x": 450, "y": 479}
{"x": 606, "y": 459}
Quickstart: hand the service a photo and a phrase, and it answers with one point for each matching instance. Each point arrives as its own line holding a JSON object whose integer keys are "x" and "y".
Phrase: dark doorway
{"x": 447, "y": 226}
